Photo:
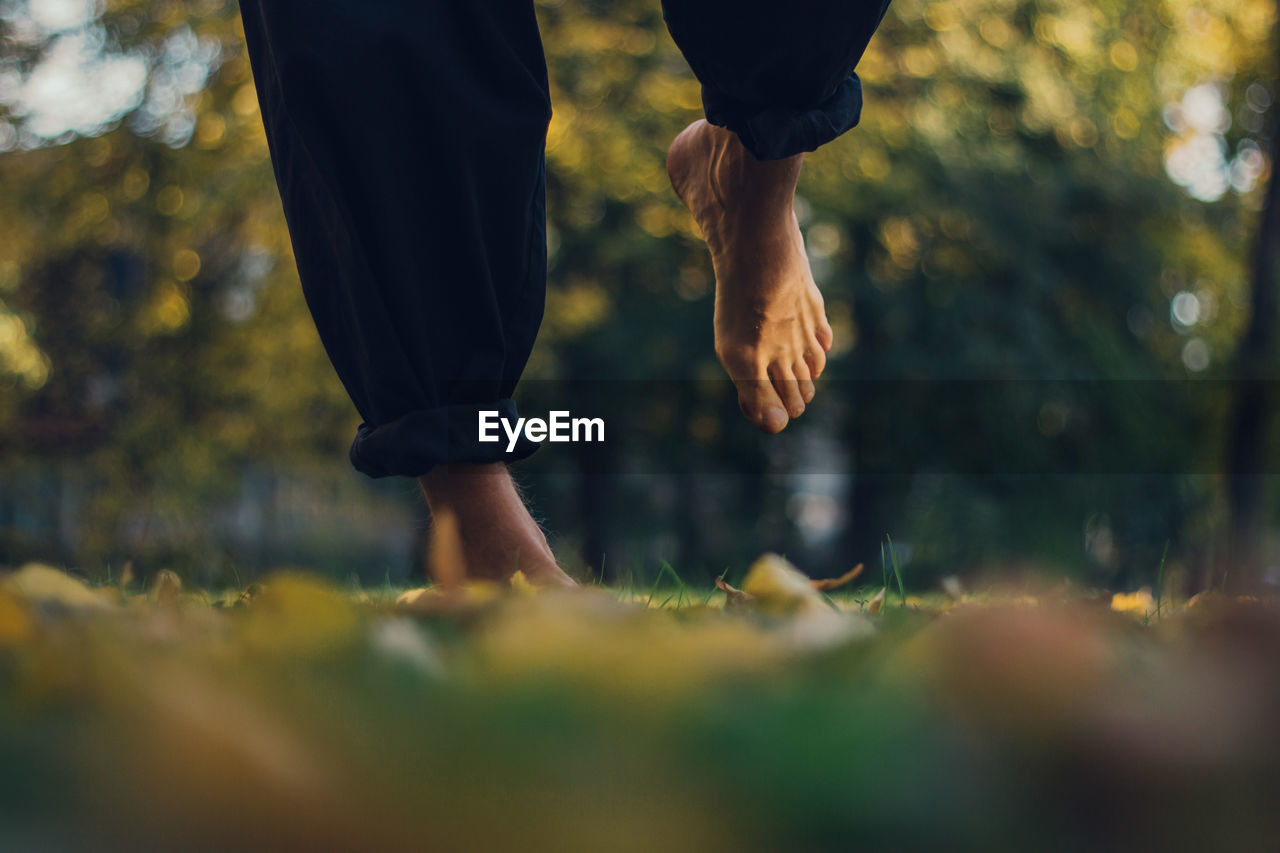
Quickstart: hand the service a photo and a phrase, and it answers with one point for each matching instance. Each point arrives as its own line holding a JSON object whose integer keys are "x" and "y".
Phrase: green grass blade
{"x": 897, "y": 571}
{"x": 1160, "y": 579}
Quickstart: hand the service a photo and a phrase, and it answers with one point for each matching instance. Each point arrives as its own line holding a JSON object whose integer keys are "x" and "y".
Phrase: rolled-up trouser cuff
{"x": 414, "y": 444}
{"x": 778, "y": 132}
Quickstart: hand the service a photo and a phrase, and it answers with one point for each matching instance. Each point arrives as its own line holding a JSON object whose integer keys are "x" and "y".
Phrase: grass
{"x": 293, "y": 714}
{"x": 897, "y": 570}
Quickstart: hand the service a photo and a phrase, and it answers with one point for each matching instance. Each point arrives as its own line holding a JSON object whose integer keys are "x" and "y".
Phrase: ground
{"x": 297, "y": 714}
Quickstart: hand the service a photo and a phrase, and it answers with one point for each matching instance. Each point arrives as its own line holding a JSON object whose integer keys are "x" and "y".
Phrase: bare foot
{"x": 772, "y": 334}
{"x": 498, "y": 534}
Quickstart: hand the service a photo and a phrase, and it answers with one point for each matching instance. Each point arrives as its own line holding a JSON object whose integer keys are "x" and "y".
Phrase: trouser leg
{"x": 780, "y": 75}
{"x": 407, "y": 140}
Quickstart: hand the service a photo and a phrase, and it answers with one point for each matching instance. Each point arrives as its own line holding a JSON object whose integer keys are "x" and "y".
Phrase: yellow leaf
{"x": 295, "y": 613}
{"x": 47, "y": 585}
{"x": 778, "y": 585}
{"x": 15, "y": 622}
{"x": 1138, "y": 603}
{"x": 427, "y": 600}
{"x": 445, "y": 560}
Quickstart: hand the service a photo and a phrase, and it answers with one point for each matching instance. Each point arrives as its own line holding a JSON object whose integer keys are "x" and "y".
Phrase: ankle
{"x": 450, "y": 486}
{"x": 767, "y": 186}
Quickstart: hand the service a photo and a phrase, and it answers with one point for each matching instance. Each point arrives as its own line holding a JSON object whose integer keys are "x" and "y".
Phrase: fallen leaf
{"x": 520, "y": 584}
{"x": 421, "y": 600}
{"x": 734, "y": 598}
{"x": 298, "y": 614}
{"x": 445, "y": 560}
{"x": 425, "y": 601}
{"x": 47, "y": 585}
{"x": 15, "y": 623}
{"x": 874, "y": 605}
{"x": 166, "y": 589}
{"x": 1138, "y": 603}
{"x": 825, "y": 584}
{"x": 778, "y": 585}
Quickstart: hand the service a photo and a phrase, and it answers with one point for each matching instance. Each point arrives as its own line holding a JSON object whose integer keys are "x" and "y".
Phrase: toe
{"x": 788, "y": 388}
{"x": 815, "y": 361}
{"x": 807, "y": 391}
{"x": 761, "y": 405}
{"x": 825, "y": 337}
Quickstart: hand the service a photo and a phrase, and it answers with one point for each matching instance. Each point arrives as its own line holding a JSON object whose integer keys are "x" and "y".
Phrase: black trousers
{"x": 407, "y": 138}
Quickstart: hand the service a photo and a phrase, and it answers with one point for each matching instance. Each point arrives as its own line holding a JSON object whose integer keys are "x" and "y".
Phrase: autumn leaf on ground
{"x": 1138, "y": 603}
{"x": 734, "y": 598}
{"x": 46, "y": 585}
{"x": 778, "y": 585}
{"x": 445, "y": 558}
{"x": 874, "y": 605}
{"x": 166, "y": 590}
{"x": 15, "y": 622}
{"x": 809, "y": 622}
{"x": 825, "y": 584}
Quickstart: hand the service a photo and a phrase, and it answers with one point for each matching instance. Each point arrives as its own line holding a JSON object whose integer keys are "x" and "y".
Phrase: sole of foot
{"x": 771, "y": 329}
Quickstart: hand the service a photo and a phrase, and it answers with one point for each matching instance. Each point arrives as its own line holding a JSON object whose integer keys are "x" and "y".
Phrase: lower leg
{"x": 771, "y": 329}
{"x": 498, "y": 534}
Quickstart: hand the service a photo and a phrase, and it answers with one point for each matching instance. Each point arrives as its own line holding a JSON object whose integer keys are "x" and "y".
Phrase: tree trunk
{"x": 1250, "y": 418}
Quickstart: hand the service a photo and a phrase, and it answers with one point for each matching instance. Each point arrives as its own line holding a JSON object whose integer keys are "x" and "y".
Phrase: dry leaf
{"x": 825, "y": 584}
{"x": 874, "y": 605}
{"x": 520, "y": 585}
{"x": 167, "y": 588}
{"x": 471, "y": 595}
{"x": 734, "y": 598}
{"x": 295, "y": 613}
{"x": 1138, "y": 603}
{"x": 422, "y": 600}
{"x": 445, "y": 560}
{"x": 47, "y": 585}
{"x": 778, "y": 585}
{"x": 15, "y": 622}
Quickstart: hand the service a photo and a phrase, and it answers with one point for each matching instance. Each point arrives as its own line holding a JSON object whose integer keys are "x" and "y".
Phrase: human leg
{"x": 498, "y": 536}
{"x": 407, "y": 141}
{"x": 777, "y": 81}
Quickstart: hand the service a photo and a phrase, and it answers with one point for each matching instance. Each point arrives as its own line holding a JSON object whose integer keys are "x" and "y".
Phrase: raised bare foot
{"x": 771, "y": 330}
{"x": 498, "y": 536}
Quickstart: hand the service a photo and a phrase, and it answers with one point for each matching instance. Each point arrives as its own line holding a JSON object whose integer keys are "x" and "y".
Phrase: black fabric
{"x": 780, "y": 75}
{"x": 422, "y": 439}
{"x": 408, "y": 142}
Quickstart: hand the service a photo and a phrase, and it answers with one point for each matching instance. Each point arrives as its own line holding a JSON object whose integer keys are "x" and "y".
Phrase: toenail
{"x": 775, "y": 418}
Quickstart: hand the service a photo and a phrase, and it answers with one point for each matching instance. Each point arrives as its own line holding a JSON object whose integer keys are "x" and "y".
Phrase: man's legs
{"x": 407, "y": 141}
{"x": 777, "y": 81}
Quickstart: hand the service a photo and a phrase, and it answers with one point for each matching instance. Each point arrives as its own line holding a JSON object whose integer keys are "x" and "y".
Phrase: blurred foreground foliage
{"x": 297, "y": 715}
{"x": 1004, "y": 210}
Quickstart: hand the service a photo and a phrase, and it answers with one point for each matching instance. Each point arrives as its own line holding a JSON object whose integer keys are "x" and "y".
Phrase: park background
{"x": 1058, "y": 203}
